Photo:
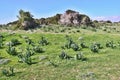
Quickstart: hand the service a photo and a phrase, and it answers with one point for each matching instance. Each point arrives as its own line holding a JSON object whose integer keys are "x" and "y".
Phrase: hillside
{"x": 69, "y": 18}
{"x": 39, "y": 55}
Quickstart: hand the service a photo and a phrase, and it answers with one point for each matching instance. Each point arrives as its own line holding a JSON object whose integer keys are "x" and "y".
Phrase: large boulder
{"x": 71, "y": 17}
{"x": 28, "y": 24}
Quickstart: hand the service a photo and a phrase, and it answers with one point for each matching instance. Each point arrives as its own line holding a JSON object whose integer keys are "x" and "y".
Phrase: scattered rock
{"x": 25, "y": 37}
{"x": 48, "y": 63}
{"x": 4, "y": 61}
{"x": 80, "y": 38}
{"x": 43, "y": 58}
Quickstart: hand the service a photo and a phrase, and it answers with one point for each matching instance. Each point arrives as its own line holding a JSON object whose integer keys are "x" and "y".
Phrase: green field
{"x": 101, "y": 65}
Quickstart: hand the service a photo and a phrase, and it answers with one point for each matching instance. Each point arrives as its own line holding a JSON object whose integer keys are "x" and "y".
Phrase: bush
{"x": 43, "y": 41}
{"x": 1, "y": 42}
{"x": 110, "y": 44}
{"x": 29, "y": 41}
{"x": 75, "y": 47}
{"x": 94, "y": 48}
{"x": 26, "y": 57}
{"x": 11, "y": 50}
{"x": 83, "y": 45}
{"x": 9, "y": 72}
{"x": 64, "y": 55}
{"x": 38, "y": 49}
{"x": 15, "y": 42}
{"x": 5, "y": 72}
{"x": 98, "y": 45}
{"x": 71, "y": 44}
{"x": 79, "y": 56}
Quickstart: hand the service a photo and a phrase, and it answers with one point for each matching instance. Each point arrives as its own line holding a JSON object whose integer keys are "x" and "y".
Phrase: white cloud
{"x": 112, "y": 18}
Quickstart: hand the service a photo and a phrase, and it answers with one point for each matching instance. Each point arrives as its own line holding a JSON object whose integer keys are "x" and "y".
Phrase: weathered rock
{"x": 25, "y": 37}
{"x": 4, "y": 61}
{"x": 48, "y": 63}
{"x": 73, "y": 18}
{"x": 28, "y": 24}
{"x": 43, "y": 58}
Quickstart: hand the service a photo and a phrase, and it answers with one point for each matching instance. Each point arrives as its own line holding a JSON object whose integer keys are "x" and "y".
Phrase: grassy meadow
{"x": 47, "y": 65}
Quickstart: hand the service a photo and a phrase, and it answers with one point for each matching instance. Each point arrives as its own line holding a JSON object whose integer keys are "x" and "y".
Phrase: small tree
{"x": 26, "y": 20}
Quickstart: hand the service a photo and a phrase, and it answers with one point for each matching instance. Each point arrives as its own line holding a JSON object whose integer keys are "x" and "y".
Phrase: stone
{"x": 4, "y": 61}
{"x": 41, "y": 58}
{"x": 71, "y": 17}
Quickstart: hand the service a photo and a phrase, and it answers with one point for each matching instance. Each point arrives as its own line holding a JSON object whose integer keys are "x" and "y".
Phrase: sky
{"x": 95, "y": 9}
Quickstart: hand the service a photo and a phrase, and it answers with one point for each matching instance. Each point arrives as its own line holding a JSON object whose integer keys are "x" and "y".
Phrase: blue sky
{"x": 44, "y": 8}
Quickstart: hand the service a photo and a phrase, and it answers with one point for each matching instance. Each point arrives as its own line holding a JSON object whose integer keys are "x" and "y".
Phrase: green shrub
{"x": 11, "y": 50}
{"x": 38, "y": 49}
{"x": 64, "y": 55}
{"x": 70, "y": 44}
{"x": 26, "y": 57}
{"x": 15, "y": 42}
{"x": 83, "y": 45}
{"x": 94, "y": 48}
{"x": 79, "y": 56}
{"x": 98, "y": 45}
{"x": 9, "y": 72}
{"x": 5, "y": 72}
{"x": 1, "y": 42}
{"x": 43, "y": 41}
{"x": 29, "y": 51}
{"x": 75, "y": 47}
{"x": 110, "y": 44}
{"x": 29, "y": 41}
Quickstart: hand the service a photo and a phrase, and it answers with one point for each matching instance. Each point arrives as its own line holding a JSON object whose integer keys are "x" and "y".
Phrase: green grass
{"x": 98, "y": 66}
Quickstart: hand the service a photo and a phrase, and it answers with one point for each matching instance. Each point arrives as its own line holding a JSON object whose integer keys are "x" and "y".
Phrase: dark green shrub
{"x": 78, "y": 31}
{"x": 1, "y": 42}
{"x": 119, "y": 44}
{"x": 110, "y": 44}
{"x": 94, "y": 48}
{"x": 75, "y": 47}
{"x": 26, "y": 57}
{"x": 5, "y": 72}
{"x": 98, "y": 45}
{"x": 64, "y": 55}
{"x": 9, "y": 72}
{"x": 29, "y": 51}
{"x": 43, "y": 41}
{"x": 12, "y": 71}
{"x": 71, "y": 44}
{"x": 38, "y": 49}
{"x": 83, "y": 45}
{"x": 79, "y": 56}
{"x": 29, "y": 41}
{"x": 11, "y": 50}
{"x": 15, "y": 42}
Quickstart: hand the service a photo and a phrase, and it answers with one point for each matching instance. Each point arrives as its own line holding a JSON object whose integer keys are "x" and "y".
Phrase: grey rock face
{"x": 73, "y": 18}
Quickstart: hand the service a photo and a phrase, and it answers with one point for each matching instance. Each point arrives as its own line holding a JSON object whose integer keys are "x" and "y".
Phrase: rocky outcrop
{"x": 28, "y": 24}
{"x": 26, "y": 20}
{"x": 71, "y": 17}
